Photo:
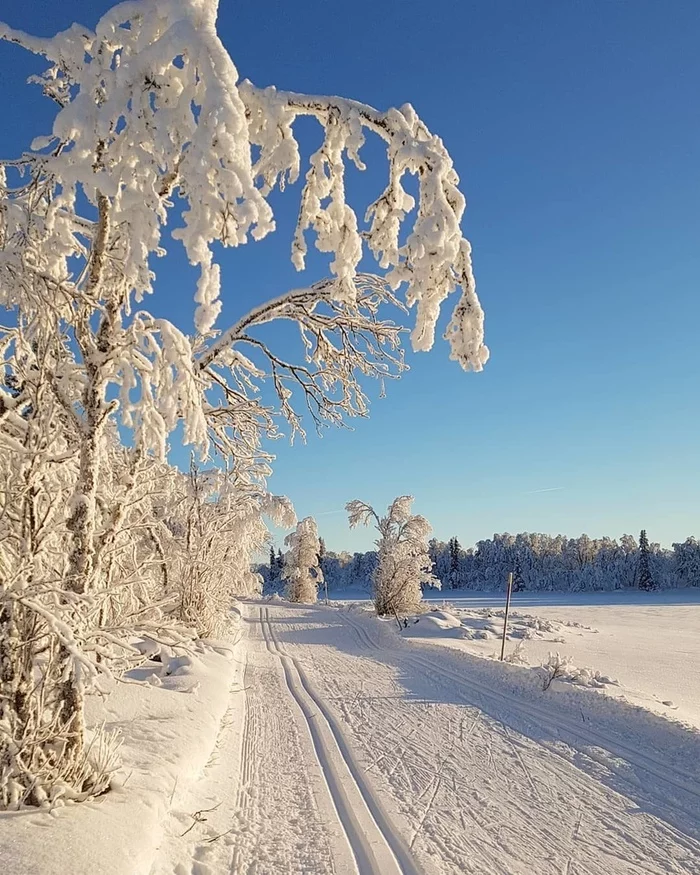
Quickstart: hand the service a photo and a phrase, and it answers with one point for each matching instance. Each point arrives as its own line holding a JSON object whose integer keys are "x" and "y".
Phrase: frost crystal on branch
{"x": 151, "y": 105}
{"x": 435, "y": 258}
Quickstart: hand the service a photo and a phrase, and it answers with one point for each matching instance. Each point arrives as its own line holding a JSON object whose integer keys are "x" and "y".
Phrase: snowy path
{"x": 376, "y": 848}
{"x": 363, "y": 753}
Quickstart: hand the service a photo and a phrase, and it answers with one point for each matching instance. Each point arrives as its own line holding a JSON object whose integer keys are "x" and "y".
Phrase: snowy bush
{"x": 517, "y": 655}
{"x": 557, "y": 666}
{"x": 560, "y": 667}
{"x": 208, "y": 530}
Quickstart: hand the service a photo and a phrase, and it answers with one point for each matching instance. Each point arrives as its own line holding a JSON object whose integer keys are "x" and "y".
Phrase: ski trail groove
{"x": 375, "y": 845}
{"x": 246, "y": 774}
{"x": 470, "y": 687}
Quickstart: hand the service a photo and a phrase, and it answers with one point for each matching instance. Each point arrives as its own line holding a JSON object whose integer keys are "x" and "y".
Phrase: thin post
{"x": 505, "y": 619}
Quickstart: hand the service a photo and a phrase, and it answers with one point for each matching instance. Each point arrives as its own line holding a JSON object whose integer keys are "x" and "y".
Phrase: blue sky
{"x": 575, "y": 129}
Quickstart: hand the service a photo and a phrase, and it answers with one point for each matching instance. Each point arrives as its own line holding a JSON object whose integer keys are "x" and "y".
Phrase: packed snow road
{"x": 363, "y": 753}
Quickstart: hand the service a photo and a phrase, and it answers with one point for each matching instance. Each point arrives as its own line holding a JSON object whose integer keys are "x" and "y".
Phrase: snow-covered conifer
{"x": 455, "y": 561}
{"x": 646, "y": 579}
{"x": 518, "y": 579}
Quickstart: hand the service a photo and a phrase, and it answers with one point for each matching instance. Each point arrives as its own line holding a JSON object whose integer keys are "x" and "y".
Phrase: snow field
{"x": 639, "y": 647}
{"x": 486, "y": 752}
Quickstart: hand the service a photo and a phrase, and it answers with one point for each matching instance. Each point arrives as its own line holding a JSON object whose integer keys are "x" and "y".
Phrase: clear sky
{"x": 575, "y": 128}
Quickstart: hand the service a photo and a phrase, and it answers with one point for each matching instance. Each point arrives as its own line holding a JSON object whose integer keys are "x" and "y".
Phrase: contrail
{"x": 329, "y": 512}
{"x": 549, "y": 489}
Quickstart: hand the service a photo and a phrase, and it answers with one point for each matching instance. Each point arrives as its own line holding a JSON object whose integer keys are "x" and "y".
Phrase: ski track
{"x": 281, "y": 806}
{"x": 376, "y": 847}
{"x": 353, "y": 752}
{"x": 270, "y": 817}
{"x": 645, "y": 762}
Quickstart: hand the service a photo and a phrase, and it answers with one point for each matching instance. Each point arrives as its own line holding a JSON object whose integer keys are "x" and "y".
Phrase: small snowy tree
{"x": 518, "y": 579}
{"x": 404, "y": 563}
{"x": 302, "y": 569}
{"x": 209, "y": 531}
{"x": 273, "y": 562}
{"x": 456, "y": 552}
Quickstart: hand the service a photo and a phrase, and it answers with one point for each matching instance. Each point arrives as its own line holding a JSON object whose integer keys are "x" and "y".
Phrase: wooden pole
{"x": 505, "y": 619}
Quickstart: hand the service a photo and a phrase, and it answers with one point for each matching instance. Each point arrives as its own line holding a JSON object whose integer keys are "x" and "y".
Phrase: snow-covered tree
{"x": 542, "y": 562}
{"x": 152, "y": 115}
{"x": 302, "y": 569}
{"x": 404, "y": 564}
{"x": 686, "y": 557}
{"x": 518, "y": 578}
{"x": 455, "y": 561}
{"x": 646, "y": 579}
{"x": 153, "y": 126}
{"x": 211, "y": 534}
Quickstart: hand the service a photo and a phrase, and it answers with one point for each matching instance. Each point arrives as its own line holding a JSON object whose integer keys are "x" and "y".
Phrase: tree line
{"x": 538, "y": 562}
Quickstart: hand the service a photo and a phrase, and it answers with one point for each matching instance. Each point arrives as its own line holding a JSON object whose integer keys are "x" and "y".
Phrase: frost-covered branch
{"x": 342, "y": 344}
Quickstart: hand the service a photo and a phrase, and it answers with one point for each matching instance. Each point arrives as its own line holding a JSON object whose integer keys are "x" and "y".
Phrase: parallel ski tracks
{"x": 375, "y": 845}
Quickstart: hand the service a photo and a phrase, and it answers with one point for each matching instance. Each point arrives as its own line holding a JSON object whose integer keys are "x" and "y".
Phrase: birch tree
{"x": 302, "y": 569}
{"x": 404, "y": 564}
{"x": 154, "y": 126}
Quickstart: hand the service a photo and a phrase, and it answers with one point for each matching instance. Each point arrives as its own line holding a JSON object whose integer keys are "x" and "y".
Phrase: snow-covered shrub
{"x": 560, "y": 667}
{"x": 404, "y": 565}
{"x": 301, "y": 563}
{"x": 209, "y": 531}
{"x": 556, "y": 666}
{"x": 517, "y": 655}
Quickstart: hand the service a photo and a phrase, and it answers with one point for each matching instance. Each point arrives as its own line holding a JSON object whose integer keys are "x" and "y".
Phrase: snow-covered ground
{"x": 170, "y": 715}
{"x": 641, "y": 647}
{"x": 466, "y": 764}
{"x": 648, "y": 642}
{"x": 325, "y": 742}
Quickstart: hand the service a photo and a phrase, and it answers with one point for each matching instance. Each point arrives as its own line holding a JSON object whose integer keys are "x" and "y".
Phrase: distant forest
{"x": 538, "y": 562}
